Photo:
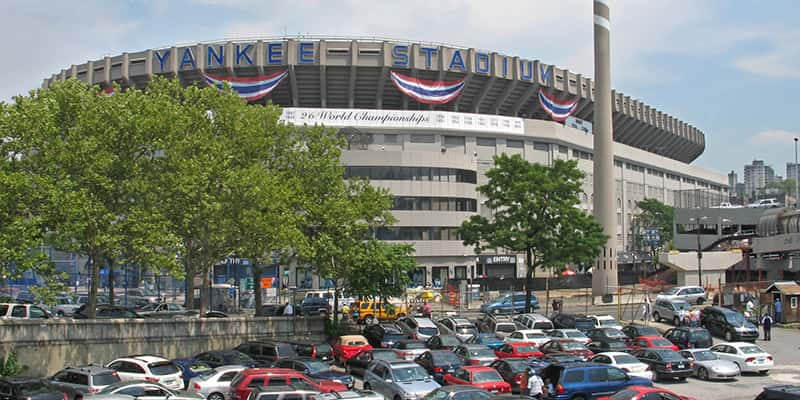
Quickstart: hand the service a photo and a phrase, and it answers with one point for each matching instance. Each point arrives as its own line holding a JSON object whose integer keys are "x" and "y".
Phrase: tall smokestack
{"x": 604, "y": 275}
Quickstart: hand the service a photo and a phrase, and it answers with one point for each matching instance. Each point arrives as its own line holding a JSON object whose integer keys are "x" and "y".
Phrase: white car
{"x": 605, "y": 321}
{"x": 748, "y": 356}
{"x": 148, "y": 368}
{"x": 140, "y": 390}
{"x": 573, "y": 334}
{"x": 534, "y": 321}
{"x": 625, "y": 362}
{"x": 528, "y": 336}
{"x": 215, "y": 384}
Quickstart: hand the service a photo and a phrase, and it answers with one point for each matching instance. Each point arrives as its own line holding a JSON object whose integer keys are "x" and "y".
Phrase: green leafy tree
{"x": 380, "y": 270}
{"x": 654, "y": 214}
{"x": 535, "y": 211}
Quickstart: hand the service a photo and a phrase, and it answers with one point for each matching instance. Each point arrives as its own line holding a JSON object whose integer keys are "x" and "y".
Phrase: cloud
{"x": 774, "y": 137}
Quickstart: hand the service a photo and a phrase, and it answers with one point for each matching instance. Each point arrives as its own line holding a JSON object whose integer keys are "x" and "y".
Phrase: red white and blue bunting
{"x": 249, "y": 88}
{"x": 559, "y": 110}
{"x": 428, "y": 92}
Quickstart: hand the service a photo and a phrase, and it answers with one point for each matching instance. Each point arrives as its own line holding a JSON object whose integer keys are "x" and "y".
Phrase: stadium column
{"x": 604, "y": 275}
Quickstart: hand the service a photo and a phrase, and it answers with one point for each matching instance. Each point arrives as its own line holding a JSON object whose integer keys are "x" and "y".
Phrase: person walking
{"x": 767, "y": 321}
{"x": 427, "y": 309}
{"x": 778, "y": 310}
{"x": 646, "y": 308}
{"x": 535, "y": 386}
{"x": 288, "y": 309}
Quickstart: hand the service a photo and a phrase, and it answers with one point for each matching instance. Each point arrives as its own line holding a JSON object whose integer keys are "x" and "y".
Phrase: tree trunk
{"x": 528, "y": 279}
{"x": 335, "y": 297}
{"x": 205, "y": 291}
{"x": 257, "y": 288}
{"x": 110, "y": 263}
{"x": 189, "y": 280}
{"x": 91, "y": 311}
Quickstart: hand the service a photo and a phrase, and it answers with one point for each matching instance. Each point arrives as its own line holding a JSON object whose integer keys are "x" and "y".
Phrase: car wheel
{"x": 369, "y": 319}
{"x": 397, "y": 398}
{"x": 657, "y": 316}
{"x": 656, "y": 377}
{"x": 764, "y": 373}
{"x": 700, "y": 301}
{"x": 323, "y": 314}
{"x": 676, "y": 321}
{"x": 682, "y": 379}
{"x": 60, "y": 314}
{"x": 216, "y": 396}
{"x": 702, "y": 373}
{"x": 367, "y": 386}
{"x": 728, "y": 336}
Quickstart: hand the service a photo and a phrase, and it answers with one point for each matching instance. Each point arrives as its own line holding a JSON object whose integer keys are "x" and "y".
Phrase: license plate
{"x": 680, "y": 365}
{"x": 494, "y": 391}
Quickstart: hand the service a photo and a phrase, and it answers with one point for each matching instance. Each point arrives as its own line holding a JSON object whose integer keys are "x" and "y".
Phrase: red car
{"x": 568, "y": 346}
{"x": 246, "y": 380}
{"x": 485, "y": 378}
{"x": 346, "y": 347}
{"x": 651, "y": 342}
{"x": 518, "y": 349}
{"x": 639, "y": 392}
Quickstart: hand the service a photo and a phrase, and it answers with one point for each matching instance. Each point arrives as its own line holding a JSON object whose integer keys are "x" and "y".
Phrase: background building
{"x": 756, "y": 178}
{"x": 732, "y": 180}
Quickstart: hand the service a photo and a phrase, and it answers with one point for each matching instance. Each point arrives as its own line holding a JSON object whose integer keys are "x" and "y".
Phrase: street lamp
{"x": 796, "y": 184}
{"x": 699, "y": 250}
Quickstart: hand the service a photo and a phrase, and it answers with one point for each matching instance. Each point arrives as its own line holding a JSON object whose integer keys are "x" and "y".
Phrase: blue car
{"x": 190, "y": 368}
{"x": 489, "y": 340}
{"x": 316, "y": 369}
{"x": 509, "y": 304}
{"x": 218, "y": 358}
{"x": 587, "y": 381}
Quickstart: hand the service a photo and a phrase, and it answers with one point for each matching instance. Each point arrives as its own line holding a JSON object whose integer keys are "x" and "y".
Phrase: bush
{"x": 10, "y": 365}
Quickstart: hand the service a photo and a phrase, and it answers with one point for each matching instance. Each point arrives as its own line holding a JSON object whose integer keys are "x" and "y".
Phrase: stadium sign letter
{"x": 400, "y": 56}
{"x": 219, "y": 57}
{"x": 482, "y": 63}
{"x": 457, "y": 61}
{"x": 526, "y": 75}
{"x": 546, "y": 73}
{"x": 187, "y": 58}
{"x": 305, "y": 53}
{"x": 243, "y": 53}
{"x": 428, "y": 52}
{"x": 162, "y": 58}
{"x": 505, "y": 67}
{"x": 274, "y": 53}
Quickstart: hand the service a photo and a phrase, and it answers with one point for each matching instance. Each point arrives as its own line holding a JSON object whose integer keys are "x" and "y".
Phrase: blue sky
{"x": 730, "y": 68}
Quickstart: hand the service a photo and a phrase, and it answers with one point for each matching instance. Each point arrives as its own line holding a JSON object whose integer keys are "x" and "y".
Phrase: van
{"x": 368, "y": 311}
{"x": 22, "y": 311}
{"x": 329, "y": 296}
{"x": 418, "y": 328}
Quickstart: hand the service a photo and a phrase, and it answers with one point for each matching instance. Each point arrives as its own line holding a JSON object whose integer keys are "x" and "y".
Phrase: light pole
{"x": 796, "y": 183}
{"x": 699, "y": 250}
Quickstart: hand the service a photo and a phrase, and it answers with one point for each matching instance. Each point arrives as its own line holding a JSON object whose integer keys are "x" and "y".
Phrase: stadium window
{"x": 488, "y": 142}
{"x": 563, "y": 149}
{"x": 576, "y": 154}
{"x": 419, "y": 138}
{"x": 541, "y": 146}
{"x": 514, "y": 144}
{"x": 389, "y": 138}
{"x": 454, "y": 141}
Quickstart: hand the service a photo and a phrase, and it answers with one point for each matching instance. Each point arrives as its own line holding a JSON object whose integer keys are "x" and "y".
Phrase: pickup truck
{"x": 765, "y": 203}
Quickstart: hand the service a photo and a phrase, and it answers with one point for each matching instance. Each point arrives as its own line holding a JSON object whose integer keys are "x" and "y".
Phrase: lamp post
{"x": 796, "y": 183}
{"x": 699, "y": 250}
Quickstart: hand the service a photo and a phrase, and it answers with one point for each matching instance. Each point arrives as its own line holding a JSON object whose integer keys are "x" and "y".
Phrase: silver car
{"x": 708, "y": 365}
{"x": 689, "y": 294}
{"x": 399, "y": 380}
{"x": 215, "y": 384}
{"x": 352, "y": 394}
{"x": 670, "y": 310}
{"x": 141, "y": 389}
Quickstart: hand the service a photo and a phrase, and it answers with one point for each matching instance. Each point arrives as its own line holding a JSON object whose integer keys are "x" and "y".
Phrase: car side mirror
{"x": 388, "y": 380}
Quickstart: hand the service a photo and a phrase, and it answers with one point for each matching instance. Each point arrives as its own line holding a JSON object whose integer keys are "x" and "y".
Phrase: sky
{"x": 730, "y": 68}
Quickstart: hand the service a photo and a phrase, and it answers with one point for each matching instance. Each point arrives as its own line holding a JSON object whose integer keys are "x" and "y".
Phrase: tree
{"x": 654, "y": 215}
{"x": 535, "y": 211}
{"x": 380, "y": 270}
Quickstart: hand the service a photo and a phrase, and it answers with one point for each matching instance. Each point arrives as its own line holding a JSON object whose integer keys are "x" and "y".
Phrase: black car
{"x": 459, "y": 392}
{"x": 665, "y": 363}
{"x": 442, "y": 342}
{"x": 218, "y": 358}
{"x": 553, "y": 358}
{"x": 16, "y": 388}
{"x": 512, "y": 370}
{"x": 106, "y": 311}
{"x": 727, "y": 323}
{"x": 357, "y": 364}
{"x": 634, "y": 331}
{"x": 438, "y": 363}
{"x": 572, "y": 321}
{"x": 385, "y": 334}
{"x": 314, "y": 306}
{"x": 689, "y": 338}
{"x": 317, "y": 350}
{"x": 780, "y": 392}
{"x": 267, "y": 351}
{"x": 606, "y": 334}
{"x": 316, "y": 369}
{"x": 602, "y": 345}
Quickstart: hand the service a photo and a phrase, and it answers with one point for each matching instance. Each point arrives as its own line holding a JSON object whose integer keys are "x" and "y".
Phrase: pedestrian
{"x": 549, "y": 389}
{"x": 426, "y": 310}
{"x": 646, "y": 308}
{"x": 288, "y": 309}
{"x": 681, "y": 317}
{"x": 535, "y": 386}
{"x": 749, "y": 307}
{"x": 778, "y": 310}
{"x": 555, "y": 305}
{"x": 767, "y": 321}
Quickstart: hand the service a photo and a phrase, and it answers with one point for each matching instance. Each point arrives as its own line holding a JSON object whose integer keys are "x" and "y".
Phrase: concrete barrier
{"x": 49, "y": 345}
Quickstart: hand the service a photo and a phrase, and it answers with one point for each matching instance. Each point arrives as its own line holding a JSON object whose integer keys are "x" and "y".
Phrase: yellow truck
{"x": 370, "y": 310}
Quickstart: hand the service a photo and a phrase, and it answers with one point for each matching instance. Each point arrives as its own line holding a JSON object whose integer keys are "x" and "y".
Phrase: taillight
{"x": 151, "y": 379}
{"x": 750, "y": 359}
{"x": 669, "y": 366}
{"x": 439, "y": 370}
{"x": 414, "y": 336}
{"x": 691, "y": 364}
{"x": 649, "y": 368}
{"x": 475, "y": 362}
{"x": 313, "y": 351}
{"x": 626, "y": 370}
{"x": 196, "y": 386}
{"x": 517, "y": 379}
{"x": 94, "y": 390}
{"x": 769, "y": 358}
{"x": 559, "y": 389}
{"x": 65, "y": 396}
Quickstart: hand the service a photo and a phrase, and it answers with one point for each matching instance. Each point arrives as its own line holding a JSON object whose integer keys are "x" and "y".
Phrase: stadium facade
{"x": 425, "y": 119}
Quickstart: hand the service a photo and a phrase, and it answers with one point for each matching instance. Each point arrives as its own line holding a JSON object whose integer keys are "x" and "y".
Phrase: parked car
{"x": 566, "y": 346}
{"x": 534, "y": 336}
{"x": 460, "y": 327}
{"x": 352, "y": 394}
{"x": 633, "y": 330}
{"x": 408, "y": 349}
{"x": 277, "y": 391}
{"x": 572, "y": 321}
{"x": 518, "y": 349}
{"x": 385, "y": 334}
{"x": 606, "y": 334}
{"x": 19, "y": 388}
{"x": 328, "y": 295}
{"x": 399, "y": 380}
{"x": 645, "y": 393}
{"x": 22, "y": 311}
{"x": 605, "y": 321}
{"x": 512, "y": 370}
{"x": 215, "y": 384}
{"x": 572, "y": 334}
{"x": 165, "y": 310}
{"x": 624, "y": 361}
{"x": 246, "y": 380}
{"x": 218, "y": 358}
{"x": 489, "y": 340}
{"x": 602, "y": 346}
{"x": 458, "y": 392}
{"x": 779, "y": 392}
{"x": 78, "y": 381}
{"x": 65, "y": 306}
{"x": 482, "y": 377}
{"x": 440, "y": 342}
{"x": 748, "y": 356}
{"x": 509, "y": 304}
{"x": 139, "y": 295}
{"x": 419, "y": 328}
{"x": 148, "y": 368}
{"x": 689, "y": 294}
{"x": 689, "y": 338}
{"x": 348, "y": 346}
{"x": 84, "y": 299}
{"x": 106, "y": 311}
{"x": 190, "y": 368}
{"x": 727, "y": 323}
{"x": 357, "y": 364}
{"x": 369, "y": 311}
{"x": 651, "y": 342}
{"x": 266, "y": 351}
{"x": 586, "y": 380}
{"x": 535, "y": 321}
{"x": 141, "y": 390}
{"x": 500, "y": 325}
{"x": 475, "y": 354}
{"x": 670, "y": 310}
{"x": 665, "y": 363}
{"x": 438, "y": 363}
{"x": 314, "y": 306}
{"x": 707, "y": 365}
{"x": 765, "y": 203}
{"x": 316, "y": 369}
{"x": 314, "y": 349}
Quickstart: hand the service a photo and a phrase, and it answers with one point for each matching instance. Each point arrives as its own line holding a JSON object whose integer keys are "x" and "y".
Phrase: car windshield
{"x": 391, "y": 330}
{"x": 409, "y": 374}
{"x": 647, "y": 331}
{"x": 163, "y": 368}
{"x": 239, "y": 356}
{"x": 661, "y": 342}
{"x": 527, "y": 349}
{"x": 466, "y": 330}
{"x": 487, "y": 337}
{"x": 481, "y": 353}
{"x": 354, "y": 342}
{"x": 704, "y": 355}
{"x": 316, "y": 366}
{"x": 680, "y": 305}
{"x": 609, "y": 322}
{"x": 573, "y": 346}
{"x": 33, "y": 388}
{"x": 198, "y": 367}
{"x": 670, "y": 356}
{"x": 615, "y": 334}
{"x": 671, "y": 291}
{"x": 450, "y": 341}
{"x": 428, "y": 331}
{"x": 324, "y": 348}
{"x": 751, "y": 350}
{"x": 385, "y": 355}
{"x": 626, "y": 359}
{"x": 617, "y": 346}
{"x": 445, "y": 357}
{"x": 575, "y": 334}
{"x": 735, "y": 319}
{"x": 506, "y": 328}
{"x": 535, "y": 335}
{"x": 518, "y": 366}
{"x": 486, "y": 376}
{"x": 700, "y": 335}
{"x": 414, "y": 345}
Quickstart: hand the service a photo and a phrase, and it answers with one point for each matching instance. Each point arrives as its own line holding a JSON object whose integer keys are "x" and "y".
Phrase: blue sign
{"x": 232, "y": 292}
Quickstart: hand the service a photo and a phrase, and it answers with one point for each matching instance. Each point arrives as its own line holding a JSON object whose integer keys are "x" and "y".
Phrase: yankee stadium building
{"x": 424, "y": 120}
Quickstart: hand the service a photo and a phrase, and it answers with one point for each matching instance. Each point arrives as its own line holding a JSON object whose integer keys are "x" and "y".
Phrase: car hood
{"x": 329, "y": 375}
{"x": 723, "y": 364}
{"x": 418, "y": 386}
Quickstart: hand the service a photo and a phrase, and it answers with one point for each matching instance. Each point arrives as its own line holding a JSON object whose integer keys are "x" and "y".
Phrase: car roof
{"x": 229, "y": 368}
{"x": 473, "y": 346}
{"x": 400, "y": 363}
{"x": 530, "y": 331}
{"x": 282, "y": 389}
{"x": 477, "y": 368}
{"x": 613, "y": 353}
{"x": 91, "y": 369}
{"x": 407, "y": 341}
{"x": 422, "y": 321}
{"x": 740, "y": 344}
{"x": 354, "y": 338}
{"x": 454, "y": 388}
{"x": 462, "y": 321}
{"x": 143, "y": 358}
{"x": 268, "y": 371}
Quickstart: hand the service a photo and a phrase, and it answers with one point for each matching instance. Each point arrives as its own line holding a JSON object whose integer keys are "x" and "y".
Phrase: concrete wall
{"x": 47, "y": 346}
